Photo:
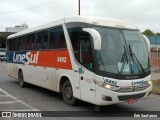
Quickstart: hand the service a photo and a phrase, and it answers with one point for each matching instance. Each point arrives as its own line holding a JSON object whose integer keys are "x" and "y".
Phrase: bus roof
{"x": 101, "y": 21}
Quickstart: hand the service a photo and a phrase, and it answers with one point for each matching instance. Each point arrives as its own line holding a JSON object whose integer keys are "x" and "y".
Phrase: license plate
{"x": 131, "y": 101}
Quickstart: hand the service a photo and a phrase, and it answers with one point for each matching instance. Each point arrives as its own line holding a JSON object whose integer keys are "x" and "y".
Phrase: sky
{"x": 143, "y": 13}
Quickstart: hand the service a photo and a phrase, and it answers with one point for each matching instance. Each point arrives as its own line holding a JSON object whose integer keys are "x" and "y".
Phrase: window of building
{"x": 30, "y": 42}
{"x": 57, "y": 39}
{"x": 42, "y": 40}
{"x": 22, "y": 44}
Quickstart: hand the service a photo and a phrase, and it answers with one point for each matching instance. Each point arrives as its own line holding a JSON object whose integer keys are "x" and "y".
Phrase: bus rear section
{"x": 82, "y": 58}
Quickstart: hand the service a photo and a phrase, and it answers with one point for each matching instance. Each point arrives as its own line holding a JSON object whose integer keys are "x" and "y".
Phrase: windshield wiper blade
{"x": 133, "y": 55}
{"x": 100, "y": 60}
{"x": 124, "y": 57}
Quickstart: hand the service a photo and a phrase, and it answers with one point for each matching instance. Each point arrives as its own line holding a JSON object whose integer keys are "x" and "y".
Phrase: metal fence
{"x": 155, "y": 53}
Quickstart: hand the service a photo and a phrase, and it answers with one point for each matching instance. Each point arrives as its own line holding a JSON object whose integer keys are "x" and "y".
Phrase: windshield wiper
{"x": 99, "y": 57}
{"x": 133, "y": 55}
{"x": 124, "y": 57}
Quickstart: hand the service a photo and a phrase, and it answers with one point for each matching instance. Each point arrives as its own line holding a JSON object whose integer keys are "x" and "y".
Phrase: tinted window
{"x": 9, "y": 45}
{"x": 85, "y": 53}
{"x": 57, "y": 39}
{"x": 30, "y": 42}
{"x": 81, "y": 46}
{"x": 22, "y": 45}
{"x": 14, "y": 44}
{"x": 75, "y": 35}
{"x": 42, "y": 40}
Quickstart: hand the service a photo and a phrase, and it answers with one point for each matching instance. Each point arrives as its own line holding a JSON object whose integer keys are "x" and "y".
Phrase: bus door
{"x": 86, "y": 76}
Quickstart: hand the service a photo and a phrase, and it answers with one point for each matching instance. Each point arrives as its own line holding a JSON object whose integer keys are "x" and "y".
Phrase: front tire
{"x": 67, "y": 93}
{"x": 21, "y": 79}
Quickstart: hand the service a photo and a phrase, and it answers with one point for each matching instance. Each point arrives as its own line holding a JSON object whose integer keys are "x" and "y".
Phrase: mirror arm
{"x": 96, "y": 37}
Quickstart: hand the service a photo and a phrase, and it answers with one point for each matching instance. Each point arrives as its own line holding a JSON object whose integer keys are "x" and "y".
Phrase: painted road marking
{"x": 15, "y": 100}
{"x": 4, "y": 96}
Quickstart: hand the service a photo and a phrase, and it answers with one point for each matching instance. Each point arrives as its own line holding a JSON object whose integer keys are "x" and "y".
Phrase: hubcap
{"x": 68, "y": 92}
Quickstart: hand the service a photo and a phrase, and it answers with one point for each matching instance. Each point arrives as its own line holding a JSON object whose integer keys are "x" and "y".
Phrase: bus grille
{"x": 132, "y": 89}
{"x": 127, "y": 97}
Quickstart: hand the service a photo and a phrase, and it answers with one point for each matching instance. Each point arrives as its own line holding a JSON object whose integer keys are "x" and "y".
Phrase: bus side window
{"x": 74, "y": 36}
{"x": 14, "y": 44}
{"x": 22, "y": 44}
{"x": 45, "y": 40}
{"x": 9, "y": 44}
{"x": 30, "y": 42}
{"x": 57, "y": 39}
{"x": 38, "y": 41}
{"x": 42, "y": 40}
{"x": 51, "y": 39}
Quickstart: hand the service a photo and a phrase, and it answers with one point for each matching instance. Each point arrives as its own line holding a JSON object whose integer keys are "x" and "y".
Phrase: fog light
{"x": 106, "y": 98}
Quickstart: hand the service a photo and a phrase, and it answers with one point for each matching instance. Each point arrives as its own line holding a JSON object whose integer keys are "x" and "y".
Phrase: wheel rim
{"x": 68, "y": 92}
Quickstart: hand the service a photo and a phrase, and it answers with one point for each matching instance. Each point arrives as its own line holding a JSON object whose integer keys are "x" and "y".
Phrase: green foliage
{"x": 158, "y": 34}
{"x": 149, "y": 32}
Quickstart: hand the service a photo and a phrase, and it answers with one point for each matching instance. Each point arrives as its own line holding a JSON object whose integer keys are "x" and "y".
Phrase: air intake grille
{"x": 131, "y": 89}
{"x": 127, "y": 97}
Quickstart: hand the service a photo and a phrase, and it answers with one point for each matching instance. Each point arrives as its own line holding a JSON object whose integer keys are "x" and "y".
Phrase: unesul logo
{"x": 141, "y": 82}
{"x": 26, "y": 58}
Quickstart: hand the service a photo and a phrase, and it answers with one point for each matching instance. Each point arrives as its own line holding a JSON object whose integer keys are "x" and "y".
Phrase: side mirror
{"x": 96, "y": 37}
{"x": 147, "y": 42}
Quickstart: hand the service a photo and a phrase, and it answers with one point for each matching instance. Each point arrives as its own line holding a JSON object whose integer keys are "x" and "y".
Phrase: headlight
{"x": 106, "y": 86}
{"x": 150, "y": 82}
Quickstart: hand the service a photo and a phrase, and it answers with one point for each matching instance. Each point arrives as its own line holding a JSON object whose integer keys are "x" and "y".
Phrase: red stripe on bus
{"x": 54, "y": 59}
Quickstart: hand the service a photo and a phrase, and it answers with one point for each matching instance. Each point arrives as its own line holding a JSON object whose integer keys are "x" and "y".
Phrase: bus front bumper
{"x": 107, "y": 97}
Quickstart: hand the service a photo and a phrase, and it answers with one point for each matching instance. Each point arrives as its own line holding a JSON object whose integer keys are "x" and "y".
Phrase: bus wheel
{"x": 67, "y": 93}
{"x": 21, "y": 79}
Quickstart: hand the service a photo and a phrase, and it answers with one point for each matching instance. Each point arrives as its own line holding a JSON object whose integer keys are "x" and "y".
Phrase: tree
{"x": 149, "y": 32}
{"x": 158, "y": 34}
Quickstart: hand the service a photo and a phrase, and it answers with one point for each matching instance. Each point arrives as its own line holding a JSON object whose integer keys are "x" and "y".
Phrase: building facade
{"x": 17, "y": 28}
{"x": 3, "y": 37}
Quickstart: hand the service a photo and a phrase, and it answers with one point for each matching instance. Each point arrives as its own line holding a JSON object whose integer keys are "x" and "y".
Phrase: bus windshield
{"x": 123, "y": 52}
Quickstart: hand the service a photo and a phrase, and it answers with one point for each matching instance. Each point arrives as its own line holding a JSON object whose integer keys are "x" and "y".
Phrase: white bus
{"x": 98, "y": 60}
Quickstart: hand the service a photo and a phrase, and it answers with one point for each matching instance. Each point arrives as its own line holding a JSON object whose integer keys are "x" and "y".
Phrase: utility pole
{"x": 79, "y": 8}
